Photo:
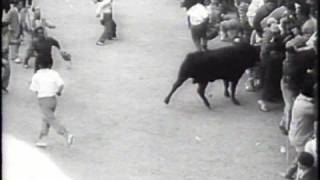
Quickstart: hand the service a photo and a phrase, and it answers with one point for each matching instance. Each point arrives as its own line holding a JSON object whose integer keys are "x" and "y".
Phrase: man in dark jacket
{"x": 42, "y": 47}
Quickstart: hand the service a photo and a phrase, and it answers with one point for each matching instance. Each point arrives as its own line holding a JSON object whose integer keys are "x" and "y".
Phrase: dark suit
{"x": 310, "y": 175}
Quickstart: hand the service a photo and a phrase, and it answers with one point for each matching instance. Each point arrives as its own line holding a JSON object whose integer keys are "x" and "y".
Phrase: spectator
{"x": 14, "y": 32}
{"x": 295, "y": 66}
{"x": 306, "y": 170}
{"x": 302, "y": 123}
{"x": 37, "y": 20}
{"x": 243, "y": 18}
{"x": 5, "y": 64}
{"x": 252, "y": 10}
{"x": 286, "y": 10}
{"x": 272, "y": 54}
{"x": 311, "y": 147}
{"x": 261, "y": 13}
{"x": 198, "y": 17}
{"x": 291, "y": 27}
{"x": 254, "y": 80}
{"x": 215, "y": 17}
{"x": 230, "y": 29}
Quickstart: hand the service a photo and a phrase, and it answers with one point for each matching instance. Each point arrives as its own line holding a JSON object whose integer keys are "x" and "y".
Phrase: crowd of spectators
{"x": 286, "y": 32}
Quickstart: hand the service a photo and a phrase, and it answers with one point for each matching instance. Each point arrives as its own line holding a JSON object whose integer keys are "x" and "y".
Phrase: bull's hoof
{"x": 5, "y": 90}
{"x": 226, "y": 94}
{"x": 166, "y": 101}
{"x": 236, "y": 102}
{"x": 208, "y": 106}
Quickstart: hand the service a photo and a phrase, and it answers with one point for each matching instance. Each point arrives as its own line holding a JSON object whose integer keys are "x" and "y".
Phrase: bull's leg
{"x": 175, "y": 86}
{"x": 233, "y": 90}
{"x": 226, "y": 87}
{"x": 201, "y": 91}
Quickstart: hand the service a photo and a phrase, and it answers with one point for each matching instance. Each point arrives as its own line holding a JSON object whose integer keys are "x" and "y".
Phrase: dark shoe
{"x": 283, "y": 130}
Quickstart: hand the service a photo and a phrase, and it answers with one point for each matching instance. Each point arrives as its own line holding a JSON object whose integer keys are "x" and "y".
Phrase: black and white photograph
{"x": 159, "y": 89}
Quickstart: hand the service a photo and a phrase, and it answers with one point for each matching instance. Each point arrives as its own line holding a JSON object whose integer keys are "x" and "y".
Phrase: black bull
{"x": 226, "y": 63}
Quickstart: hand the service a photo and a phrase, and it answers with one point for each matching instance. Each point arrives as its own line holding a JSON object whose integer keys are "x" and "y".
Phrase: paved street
{"x": 113, "y": 103}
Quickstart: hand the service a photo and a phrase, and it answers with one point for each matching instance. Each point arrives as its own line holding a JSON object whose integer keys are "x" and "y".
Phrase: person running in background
{"x": 47, "y": 84}
{"x": 104, "y": 12}
{"x": 37, "y": 20}
{"x": 42, "y": 45}
{"x": 198, "y": 18}
{"x": 14, "y": 31}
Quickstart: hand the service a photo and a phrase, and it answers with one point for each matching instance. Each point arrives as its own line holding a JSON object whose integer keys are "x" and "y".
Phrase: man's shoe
{"x": 41, "y": 144}
{"x": 70, "y": 139}
{"x": 99, "y": 43}
{"x": 17, "y": 60}
{"x": 26, "y": 66}
{"x": 283, "y": 130}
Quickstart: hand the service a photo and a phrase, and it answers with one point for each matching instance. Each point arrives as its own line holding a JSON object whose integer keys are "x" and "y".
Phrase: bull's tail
{"x": 175, "y": 86}
{"x": 183, "y": 75}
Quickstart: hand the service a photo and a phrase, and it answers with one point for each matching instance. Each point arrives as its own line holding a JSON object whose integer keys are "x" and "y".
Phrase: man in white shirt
{"x": 47, "y": 83}
{"x": 104, "y": 12}
{"x": 252, "y": 10}
{"x": 198, "y": 17}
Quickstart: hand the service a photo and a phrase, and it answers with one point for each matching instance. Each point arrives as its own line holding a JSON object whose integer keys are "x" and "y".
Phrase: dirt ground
{"x": 113, "y": 103}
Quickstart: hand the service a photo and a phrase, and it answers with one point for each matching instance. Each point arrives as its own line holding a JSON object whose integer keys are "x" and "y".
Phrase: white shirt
{"x": 311, "y": 40}
{"x": 197, "y": 13}
{"x": 104, "y": 6}
{"x": 46, "y": 83}
{"x": 311, "y": 147}
{"x": 252, "y": 9}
